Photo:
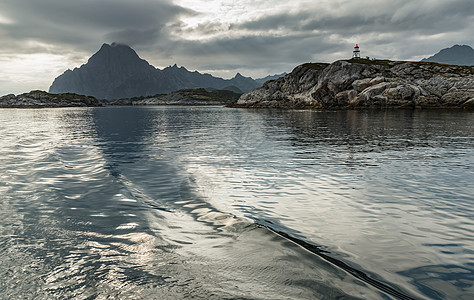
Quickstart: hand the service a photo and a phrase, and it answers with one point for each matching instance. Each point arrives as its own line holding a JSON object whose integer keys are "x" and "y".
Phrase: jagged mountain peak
{"x": 175, "y": 68}
{"x": 116, "y": 48}
{"x": 116, "y": 71}
{"x": 116, "y": 54}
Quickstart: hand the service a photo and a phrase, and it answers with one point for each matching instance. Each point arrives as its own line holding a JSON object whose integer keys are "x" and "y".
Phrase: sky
{"x": 40, "y": 39}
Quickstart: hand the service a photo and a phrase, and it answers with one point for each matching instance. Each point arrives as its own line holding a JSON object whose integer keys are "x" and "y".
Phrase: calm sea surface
{"x": 219, "y": 203}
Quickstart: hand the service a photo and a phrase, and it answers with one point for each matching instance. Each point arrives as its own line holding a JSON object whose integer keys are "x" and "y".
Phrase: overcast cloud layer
{"x": 40, "y": 39}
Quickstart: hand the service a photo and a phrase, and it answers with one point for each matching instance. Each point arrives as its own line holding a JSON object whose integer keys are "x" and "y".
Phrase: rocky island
{"x": 39, "y": 99}
{"x": 366, "y": 83}
{"x": 184, "y": 97}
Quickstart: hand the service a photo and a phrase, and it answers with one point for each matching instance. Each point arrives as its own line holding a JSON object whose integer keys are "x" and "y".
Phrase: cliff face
{"x": 116, "y": 71}
{"x": 367, "y": 83}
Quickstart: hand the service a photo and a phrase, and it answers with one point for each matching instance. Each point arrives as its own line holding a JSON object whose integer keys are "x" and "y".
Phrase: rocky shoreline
{"x": 365, "y": 83}
{"x": 42, "y": 99}
{"x": 344, "y": 84}
{"x": 188, "y": 97}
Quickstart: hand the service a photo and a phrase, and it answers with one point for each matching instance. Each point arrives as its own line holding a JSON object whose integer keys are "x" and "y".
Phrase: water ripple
{"x": 162, "y": 203}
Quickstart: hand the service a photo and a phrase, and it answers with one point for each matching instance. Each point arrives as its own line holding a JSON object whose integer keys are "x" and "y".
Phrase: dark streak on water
{"x": 356, "y": 273}
{"x": 215, "y": 203}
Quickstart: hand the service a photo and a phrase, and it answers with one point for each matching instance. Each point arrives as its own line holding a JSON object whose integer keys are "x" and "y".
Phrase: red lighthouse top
{"x": 356, "y": 52}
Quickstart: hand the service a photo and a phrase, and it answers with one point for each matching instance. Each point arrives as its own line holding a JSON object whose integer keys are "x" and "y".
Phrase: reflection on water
{"x": 384, "y": 190}
{"x": 161, "y": 202}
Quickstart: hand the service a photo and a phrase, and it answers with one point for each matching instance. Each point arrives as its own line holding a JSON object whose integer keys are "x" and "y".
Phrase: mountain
{"x": 270, "y": 77}
{"x": 364, "y": 83}
{"x": 116, "y": 71}
{"x": 461, "y": 55}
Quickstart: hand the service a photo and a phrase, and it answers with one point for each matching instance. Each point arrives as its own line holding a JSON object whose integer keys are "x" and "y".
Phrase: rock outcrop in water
{"x": 184, "y": 97}
{"x": 38, "y": 99}
{"x": 364, "y": 83}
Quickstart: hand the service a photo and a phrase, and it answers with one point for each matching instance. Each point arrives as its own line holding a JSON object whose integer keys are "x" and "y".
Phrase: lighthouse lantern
{"x": 356, "y": 52}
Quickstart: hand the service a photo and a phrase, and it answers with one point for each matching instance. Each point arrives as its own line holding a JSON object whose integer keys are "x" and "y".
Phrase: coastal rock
{"x": 184, "y": 97}
{"x": 364, "y": 83}
{"x": 469, "y": 103}
{"x": 38, "y": 99}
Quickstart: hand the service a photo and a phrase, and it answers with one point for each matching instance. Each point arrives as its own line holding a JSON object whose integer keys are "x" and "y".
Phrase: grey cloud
{"x": 211, "y": 28}
{"x": 277, "y": 21}
{"x": 414, "y": 16}
{"x": 397, "y": 29}
{"x": 87, "y": 23}
{"x": 137, "y": 37}
{"x": 273, "y": 53}
{"x": 273, "y": 42}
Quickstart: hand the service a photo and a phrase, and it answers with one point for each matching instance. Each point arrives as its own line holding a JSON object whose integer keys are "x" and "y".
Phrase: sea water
{"x": 220, "y": 203}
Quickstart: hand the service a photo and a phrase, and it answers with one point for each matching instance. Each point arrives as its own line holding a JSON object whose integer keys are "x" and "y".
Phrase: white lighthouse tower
{"x": 356, "y": 52}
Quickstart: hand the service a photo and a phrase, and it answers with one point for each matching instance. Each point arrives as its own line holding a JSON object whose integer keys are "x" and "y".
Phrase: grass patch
{"x": 372, "y": 62}
{"x": 315, "y": 66}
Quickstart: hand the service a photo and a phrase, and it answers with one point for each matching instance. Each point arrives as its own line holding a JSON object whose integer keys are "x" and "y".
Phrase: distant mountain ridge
{"x": 461, "y": 55}
{"x": 270, "y": 77}
{"x": 116, "y": 71}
